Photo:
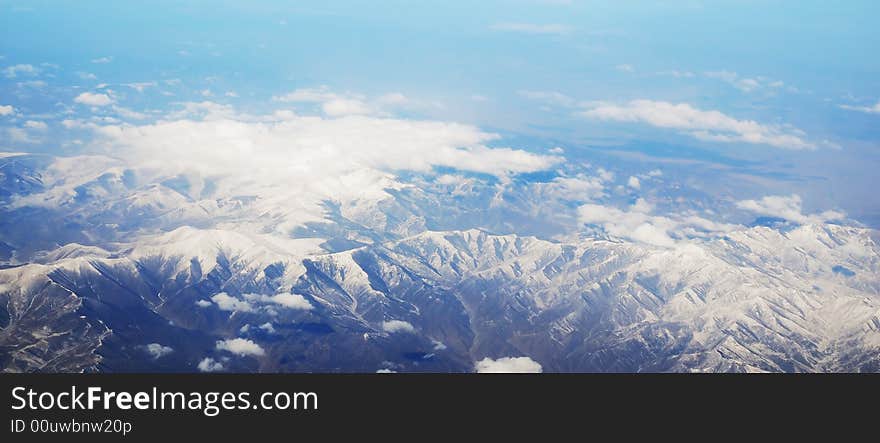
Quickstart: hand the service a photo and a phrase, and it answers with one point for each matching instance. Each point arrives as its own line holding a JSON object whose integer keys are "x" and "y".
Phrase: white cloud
{"x": 745, "y": 84}
{"x": 128, "y": 113}
{"x": 866, "y": 109}
{"x": 451, "y": 180}
{"x": 305, "y": 147}
{"x": 86, "y": 75}
{"x": 787, "y": 207}
{"x": 506, "y": 365}
{"x": 75, "y": 124}
{"x": 210, "y": 365}
{"x": 394, "y": 99}
{"x": 634, "y": 182}
{"x": 700, "y": 124}
{"x": 251, "y": 302}
{"x": 6, "y": 110}
{"x": 158, "y": 351}
{"x": 16, "y": 70}
{"x": 394, "y": 326}
{"x": 240, "y": 346}
{"x": 226, "y": 302}
{"x": 294, "y": 163}
{"x": 677, "y": 74}
{"x": 21, "y": 135}
{"x": 287, "y": 300}
{"x": 307, "y": 95}
{"x": 578, "y": 188}
{"x": 268, "y": 327}
{"x": 102, "y": 60}
{"x": 343, "y": 106}
{"x": 386, "y": 371}
{"x": 206, "y": 110}
{"x": 140, "y": 86}
{"x": 204, "y": 303}
{"x": 549, "y": 97}
{"x": 93, "y": 99}
{"x": 36, "y": 84}
{"x": 636, "y": 223}
{"x": 532, "y": 28}
{"x": 36, "y": 125}
{"x": 605, "y": 175}
{"x": 339, "y": 105}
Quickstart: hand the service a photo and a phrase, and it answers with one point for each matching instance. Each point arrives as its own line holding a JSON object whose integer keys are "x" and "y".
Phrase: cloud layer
{"x": 293, "y": 163}
{"x": 866, "y": 109}
{"x": 289, "y": 145}
{"x": 637, "y": 223}
{"x": 20, "y": 69}
{"x": 703, "y": 125}
{"x": 789, "y": 207}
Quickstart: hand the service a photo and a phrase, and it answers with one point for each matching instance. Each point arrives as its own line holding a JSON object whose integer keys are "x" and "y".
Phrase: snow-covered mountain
{"x": 759, "y": 300}
{"x": 114, "y": 269}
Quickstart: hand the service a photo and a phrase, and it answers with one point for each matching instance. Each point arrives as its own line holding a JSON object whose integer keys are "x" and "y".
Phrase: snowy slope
{"x": 99, "y": 260}
{"x": 757, "y": 300}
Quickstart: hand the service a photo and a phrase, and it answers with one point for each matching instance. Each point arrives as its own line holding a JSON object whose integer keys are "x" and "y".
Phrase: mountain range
{"x": 107, "y": 268}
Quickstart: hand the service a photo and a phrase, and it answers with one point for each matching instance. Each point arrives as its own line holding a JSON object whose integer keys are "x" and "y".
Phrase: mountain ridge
{"x": 593, "y": 305}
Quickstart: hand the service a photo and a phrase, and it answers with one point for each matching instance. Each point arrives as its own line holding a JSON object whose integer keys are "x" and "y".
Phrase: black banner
{"x": 409, "y": 406}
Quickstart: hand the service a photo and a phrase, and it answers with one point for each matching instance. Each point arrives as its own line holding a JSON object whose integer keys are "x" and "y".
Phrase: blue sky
{"x": 789, "y": 87}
